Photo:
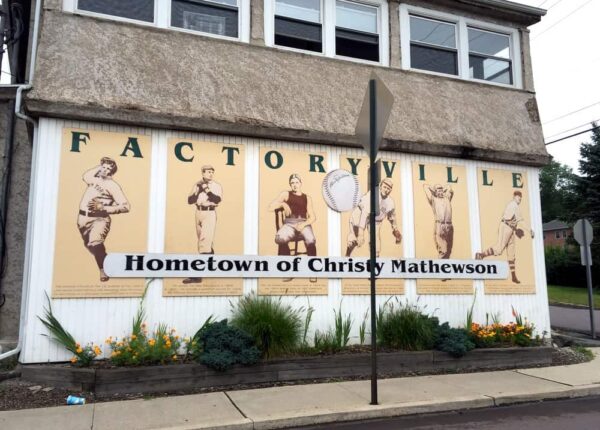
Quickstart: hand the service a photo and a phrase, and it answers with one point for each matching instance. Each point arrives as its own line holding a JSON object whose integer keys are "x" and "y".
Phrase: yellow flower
{"x": 133, "y": 337}
{"x": 79, "y": 350}
{"x": 174, "y": 358}
{"x": 113, "y": 354}
{"x": 74, "y": 360}
{"x": 151, "y": 342}
{"x": 97, "y": 350}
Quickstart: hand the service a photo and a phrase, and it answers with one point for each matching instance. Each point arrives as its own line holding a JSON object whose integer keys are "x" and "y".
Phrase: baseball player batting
{"x": 507, "y": 230}
{"x": 102, "y": 197}
{"x": 440, "y": 200}
{"x": 206, "y": 196}
{"x": 359, "y": 219}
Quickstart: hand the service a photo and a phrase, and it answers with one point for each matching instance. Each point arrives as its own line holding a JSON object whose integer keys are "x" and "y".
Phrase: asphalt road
{"x": 575, "y": 414}
{"x": 575, "y": 319}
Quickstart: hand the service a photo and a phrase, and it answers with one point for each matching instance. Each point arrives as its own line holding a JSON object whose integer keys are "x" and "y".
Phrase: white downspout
{"x": 19, "y": 114}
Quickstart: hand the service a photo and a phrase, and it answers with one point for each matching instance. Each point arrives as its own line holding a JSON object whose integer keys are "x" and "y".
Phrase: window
{"x": 433, "y": 45}
{"x": 489, "y": 56}
{"x": 215, "y": 16}
{"x": 440, "y": 42}
{"x": 140, "y": 10}
{"x": 564, "y": 234}
{"x": 350, "y": 29}
{"x": 218, "y": 18}
{"x": 298, "y": 24}
{"x": 557, "y": 234}
{"x": 356, "y": 31}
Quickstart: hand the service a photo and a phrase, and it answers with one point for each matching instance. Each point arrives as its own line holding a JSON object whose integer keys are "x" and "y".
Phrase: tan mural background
{"x": 276, "y": 167}
{"x": 441, "y": 210}
{"x": 199, "y": 223}
{"x": 100, "y": 211}
{"x": 389, "y": 245}
{"x": 503, "y": 216}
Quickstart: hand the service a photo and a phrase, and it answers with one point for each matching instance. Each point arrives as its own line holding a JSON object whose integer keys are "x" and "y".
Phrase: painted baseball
{"x": 340, "y": 190}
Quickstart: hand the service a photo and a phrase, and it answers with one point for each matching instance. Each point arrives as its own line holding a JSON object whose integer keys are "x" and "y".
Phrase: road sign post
{"x": 583, "y": 233}
{"x": 374, "y": 115}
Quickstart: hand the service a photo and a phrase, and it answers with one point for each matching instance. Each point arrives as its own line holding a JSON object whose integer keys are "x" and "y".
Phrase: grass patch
{"x": 587, "y": 353}
{"x": 571, "y": 295}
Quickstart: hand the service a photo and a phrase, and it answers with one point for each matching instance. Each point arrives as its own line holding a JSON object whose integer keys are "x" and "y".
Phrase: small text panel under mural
{"x": 442, "y": 230}
{"x": 355, "y": 223}
{"x": 506, "y": 231}
{"x": 205, "y": 210}
{"x": 102, "y": 208}
{"x": 292, "y": 214}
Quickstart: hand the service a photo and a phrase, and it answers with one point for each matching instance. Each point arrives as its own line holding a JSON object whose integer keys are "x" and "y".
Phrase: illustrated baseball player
{"x": 102, "y": 198}
{"x": 298, "y": 218}
{"x": 440, "y": 200}
{"x": 359, "y": 219}
{"x": 206, "y": 196}
{"x": 511, "y": 225}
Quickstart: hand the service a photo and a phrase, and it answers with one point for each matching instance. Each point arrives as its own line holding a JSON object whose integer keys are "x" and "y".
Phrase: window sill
{"x": 459, "y": 78}
{"x": 201, "y": 33}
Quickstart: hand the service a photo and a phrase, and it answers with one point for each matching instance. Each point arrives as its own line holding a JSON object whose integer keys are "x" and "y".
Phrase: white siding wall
{"x": 93, "y": 320}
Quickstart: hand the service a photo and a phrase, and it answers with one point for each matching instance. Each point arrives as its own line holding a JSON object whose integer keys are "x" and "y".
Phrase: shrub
{"x": 454, "y": 341}
{"x": 406, "y": 327}
{"x": 563, "y": 266}
{"x": 223, "y": 346}
{"x": 140, "y": 349}
{"x": 326, "y": 342}
{"x": 275, "y": 327}
{"x": 83, "y": 356}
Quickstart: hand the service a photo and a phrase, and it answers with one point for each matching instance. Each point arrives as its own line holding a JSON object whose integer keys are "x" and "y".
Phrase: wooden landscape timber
{"x": 189, "y": 376}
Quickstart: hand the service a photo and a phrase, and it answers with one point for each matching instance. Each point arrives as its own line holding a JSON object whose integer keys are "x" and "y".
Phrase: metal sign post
{"x": 374, "y": 114}
{"x": 583, "y": 233}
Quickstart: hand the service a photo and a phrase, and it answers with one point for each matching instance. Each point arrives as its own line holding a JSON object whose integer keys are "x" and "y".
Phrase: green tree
{"x": 557, "y": 191}
{"x": 588, "y": 184}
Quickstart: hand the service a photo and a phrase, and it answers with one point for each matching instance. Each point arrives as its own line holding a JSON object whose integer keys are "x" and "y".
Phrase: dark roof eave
{"x": 528, "y": 14}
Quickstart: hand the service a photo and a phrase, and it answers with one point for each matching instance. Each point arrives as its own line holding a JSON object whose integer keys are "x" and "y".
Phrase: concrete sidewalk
{"x": 298, "y": 405}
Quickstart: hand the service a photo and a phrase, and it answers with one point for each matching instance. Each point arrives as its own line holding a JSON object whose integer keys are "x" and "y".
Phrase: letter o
{"x": 284, "y": 266}
{"x": 269, "y": 159}
{"x": 154, "y": 264}
{"x": 225, "y": 265}
{"x": 480, "y": 269}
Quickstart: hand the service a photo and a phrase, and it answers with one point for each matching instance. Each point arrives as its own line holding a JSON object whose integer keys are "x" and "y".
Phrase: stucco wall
{"x": 16, "y": 227}
{"x": 96, "y": 69}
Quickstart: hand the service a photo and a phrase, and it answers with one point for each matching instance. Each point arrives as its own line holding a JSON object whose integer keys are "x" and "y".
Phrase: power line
{"x": 571, "y": 113}
{"x": 571, "y": 129}
{"x": 561, "y": 20}
{"x": 572, "y": 135}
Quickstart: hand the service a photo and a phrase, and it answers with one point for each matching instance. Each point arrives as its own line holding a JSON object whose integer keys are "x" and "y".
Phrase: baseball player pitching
{"x": 206, "y": 196}
{"x": 507, "y": 230}
{"x": 359, "y": 219}
{"x": 440, "y": 200}
{"x": 102, "y": 198}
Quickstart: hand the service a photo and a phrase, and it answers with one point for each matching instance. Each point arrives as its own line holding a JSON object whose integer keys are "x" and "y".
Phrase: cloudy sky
{"x": 566, "y": 65}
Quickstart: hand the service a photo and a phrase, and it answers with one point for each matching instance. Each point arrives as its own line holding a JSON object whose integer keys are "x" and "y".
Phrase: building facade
{"x": 206, "y": 116}
{"x": 556, "y": 233}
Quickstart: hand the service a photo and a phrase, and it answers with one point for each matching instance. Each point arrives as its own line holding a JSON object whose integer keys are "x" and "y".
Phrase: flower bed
{"x": 180, "y": 377}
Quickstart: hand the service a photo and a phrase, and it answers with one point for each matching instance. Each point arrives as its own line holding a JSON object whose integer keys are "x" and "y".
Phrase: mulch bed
{"x": 18, "y": 394}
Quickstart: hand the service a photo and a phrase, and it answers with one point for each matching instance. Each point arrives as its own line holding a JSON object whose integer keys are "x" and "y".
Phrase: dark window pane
{"x": 356, "y": 45}
{"x": 433, "y": 59}
{"x": 490, "y": 69}
{"x": 298, "y": 34}
{"x": 141, "y": 10}
{"x": 205, "y": 17}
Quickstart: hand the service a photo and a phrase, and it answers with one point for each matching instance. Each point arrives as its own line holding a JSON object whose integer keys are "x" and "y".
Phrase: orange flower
{"x": 74, "y": 360}
{"x": 79, "y": 350}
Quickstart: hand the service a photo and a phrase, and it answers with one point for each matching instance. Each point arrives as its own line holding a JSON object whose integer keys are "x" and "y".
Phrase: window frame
{"x": 462, "y": 26}
{"x": 328, "y": 27}
{"x": 162, "y": 18}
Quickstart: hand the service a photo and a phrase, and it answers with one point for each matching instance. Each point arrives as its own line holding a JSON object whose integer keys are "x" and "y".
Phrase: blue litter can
{"x": 74, "y": 400}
